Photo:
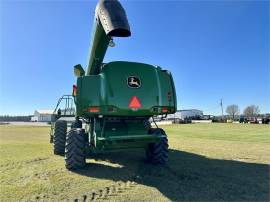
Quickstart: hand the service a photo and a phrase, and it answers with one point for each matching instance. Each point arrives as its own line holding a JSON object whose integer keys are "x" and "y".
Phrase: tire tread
{"x": 75, "y": 157}
{"x": 59, "y": 137}
{"x": 157, "y": 153}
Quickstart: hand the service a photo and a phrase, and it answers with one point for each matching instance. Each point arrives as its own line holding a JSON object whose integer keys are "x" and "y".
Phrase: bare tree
{"x": 251, "y": 111}
{"x": 232, "y": 110}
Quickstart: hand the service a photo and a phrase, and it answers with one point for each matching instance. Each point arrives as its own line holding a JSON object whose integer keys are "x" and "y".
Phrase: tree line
{"x": 8, "y": 118}
{"x": 251, "y": 111}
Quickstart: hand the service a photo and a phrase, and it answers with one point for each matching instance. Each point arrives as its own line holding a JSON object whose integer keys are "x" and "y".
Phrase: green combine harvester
{"x": 114, "y": 101}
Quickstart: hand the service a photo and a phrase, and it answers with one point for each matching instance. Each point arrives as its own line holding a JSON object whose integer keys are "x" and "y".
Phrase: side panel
{"x": 88, "y": 93}
{"x": 167, "y": 95}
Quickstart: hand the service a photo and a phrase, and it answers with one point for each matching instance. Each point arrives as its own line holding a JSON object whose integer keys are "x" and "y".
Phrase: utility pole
{"x": 221, "y": 105}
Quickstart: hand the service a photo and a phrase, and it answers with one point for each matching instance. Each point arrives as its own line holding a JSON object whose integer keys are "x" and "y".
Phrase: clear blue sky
{"x": 215, "y": 49}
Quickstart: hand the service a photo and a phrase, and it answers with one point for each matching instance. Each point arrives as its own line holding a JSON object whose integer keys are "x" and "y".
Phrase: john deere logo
{"x": 134, "y": 82}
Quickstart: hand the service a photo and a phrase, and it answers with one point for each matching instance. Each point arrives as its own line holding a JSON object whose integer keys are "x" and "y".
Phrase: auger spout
{"x": 110, "y": 21}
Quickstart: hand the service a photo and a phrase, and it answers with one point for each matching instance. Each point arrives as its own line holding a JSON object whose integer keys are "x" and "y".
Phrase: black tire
{"x": 147, "y": 124}
{"x": 157, "y": 153}
{"x": 76, "y": 124}
{"x": 59, "y": 137}
{"x": 75, "y": 152}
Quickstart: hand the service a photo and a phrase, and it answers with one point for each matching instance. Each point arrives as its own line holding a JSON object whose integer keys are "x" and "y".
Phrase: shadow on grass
{"x": 187, "y": 176}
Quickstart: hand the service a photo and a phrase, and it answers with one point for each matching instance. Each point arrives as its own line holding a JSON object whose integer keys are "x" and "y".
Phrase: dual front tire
{"x": 59, "y": 137}
{"x": 75, "y": 152}
{"x": 72, "y": 144}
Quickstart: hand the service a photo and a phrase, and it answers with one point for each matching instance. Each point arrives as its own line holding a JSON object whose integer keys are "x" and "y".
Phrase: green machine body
{"x": 115, "y": 100}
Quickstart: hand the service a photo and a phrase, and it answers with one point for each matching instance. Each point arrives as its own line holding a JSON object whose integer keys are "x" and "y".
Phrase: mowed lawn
{"x": 207, "y": 162}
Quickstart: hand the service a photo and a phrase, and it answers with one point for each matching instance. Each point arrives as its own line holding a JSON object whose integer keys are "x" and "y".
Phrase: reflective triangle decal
{"x": 134, "y": 102}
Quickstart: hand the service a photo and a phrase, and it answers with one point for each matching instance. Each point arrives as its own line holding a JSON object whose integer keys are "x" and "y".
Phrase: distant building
{"x": 68, "y": 112}
{"x": 187, "y": 113}
{"x": 43, "y": 115}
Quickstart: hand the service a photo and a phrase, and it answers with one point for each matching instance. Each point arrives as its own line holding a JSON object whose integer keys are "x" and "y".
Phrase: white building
{"x": 187, "y": 113}
{"x": 43, "y": 115}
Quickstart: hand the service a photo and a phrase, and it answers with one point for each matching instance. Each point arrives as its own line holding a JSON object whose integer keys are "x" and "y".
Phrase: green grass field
{"x": 207, "y": 162}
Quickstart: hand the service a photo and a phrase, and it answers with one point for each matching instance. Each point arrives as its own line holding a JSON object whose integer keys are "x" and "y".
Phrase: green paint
{"x": 109, "y": 89}
{"x": 98, "y": 48}
{"x": 104, "y": 93}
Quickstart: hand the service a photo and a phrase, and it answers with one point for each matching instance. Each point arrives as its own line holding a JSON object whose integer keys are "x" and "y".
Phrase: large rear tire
{"x": 76, "y": 124}
{"x": 75, "y": 152}
{"x": 147, "y": 124}
{"x": 59, "y": 137}
{"x": 157, "y": 153}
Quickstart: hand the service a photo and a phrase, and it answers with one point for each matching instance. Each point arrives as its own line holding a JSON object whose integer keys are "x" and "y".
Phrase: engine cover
{"x": 126, "y": 89}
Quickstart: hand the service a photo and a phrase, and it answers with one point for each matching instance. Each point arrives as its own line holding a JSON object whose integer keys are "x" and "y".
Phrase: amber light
{"x": 74, "y": 92}
{"x": 93, "y": 109}
{"x": 165, "y": 110}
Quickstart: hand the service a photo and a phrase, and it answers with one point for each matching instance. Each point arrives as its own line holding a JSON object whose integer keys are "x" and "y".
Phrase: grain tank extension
{"x": 115, "y": 100}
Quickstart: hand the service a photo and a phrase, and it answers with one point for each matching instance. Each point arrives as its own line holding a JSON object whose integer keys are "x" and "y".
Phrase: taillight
{"x": 165, "y": 110}
{"x": 93, "y": 109}
{"x": 74, "y": 91}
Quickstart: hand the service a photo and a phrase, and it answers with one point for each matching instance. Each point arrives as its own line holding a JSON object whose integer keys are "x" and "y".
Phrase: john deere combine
{"x": 115, "y": 100}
